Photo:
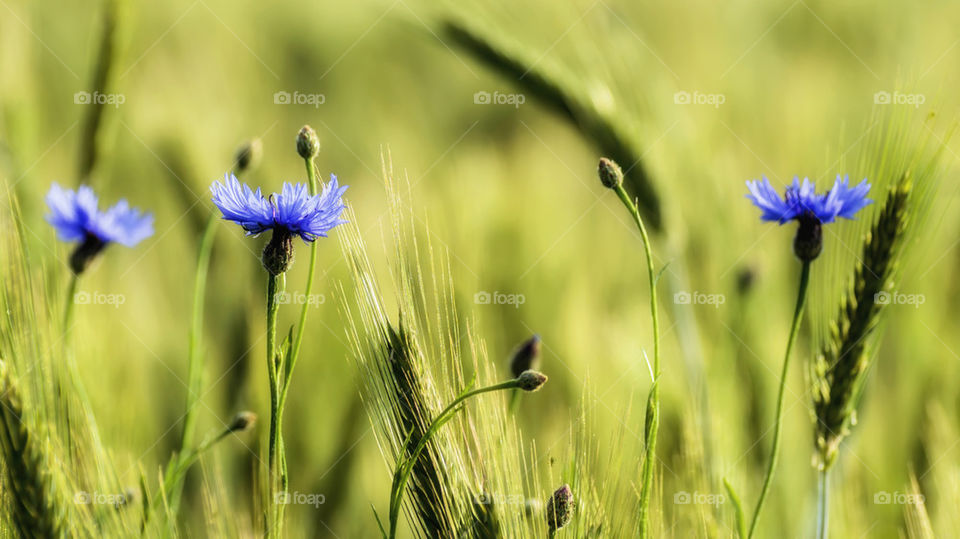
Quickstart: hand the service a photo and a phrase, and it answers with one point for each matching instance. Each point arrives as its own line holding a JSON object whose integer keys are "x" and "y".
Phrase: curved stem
{"x": 778, "y": 426}
{"x": 653, "y": 403}
{"x": 404, "y": 467}
{"x": 823, "y": 503}
{"x": 737, "y": 508}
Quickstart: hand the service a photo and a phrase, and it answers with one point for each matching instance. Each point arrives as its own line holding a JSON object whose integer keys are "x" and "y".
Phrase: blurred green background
{"x": 511, "y": 193}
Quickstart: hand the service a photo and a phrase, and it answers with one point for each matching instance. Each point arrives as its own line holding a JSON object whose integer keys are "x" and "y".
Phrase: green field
{"x": 469, "y": 135}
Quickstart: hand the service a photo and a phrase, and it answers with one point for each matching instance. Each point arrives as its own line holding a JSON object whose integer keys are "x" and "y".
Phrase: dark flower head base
{"x": 292, "y": 212}
{"x": 278, "y": 252}
{"x": 801, "y": 203}
{"x": 808, "y": 242}
{"x": 77, "y": 218}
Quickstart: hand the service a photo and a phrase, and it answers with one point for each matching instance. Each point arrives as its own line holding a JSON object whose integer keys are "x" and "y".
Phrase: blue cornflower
{"x": 76, "y": 216}
{"x": 801, "y": 202}
{"x": 799, "y": 198}
{"x": 292, "y": 212}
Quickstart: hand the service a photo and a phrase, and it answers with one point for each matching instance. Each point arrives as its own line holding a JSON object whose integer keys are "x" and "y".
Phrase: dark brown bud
{"x": 531, "y": 380}
{"x": 560, "y": 508}
{"x": 809, "y": 239}
{"x": 610, "y": 174}
{"x": 278, "y": 253}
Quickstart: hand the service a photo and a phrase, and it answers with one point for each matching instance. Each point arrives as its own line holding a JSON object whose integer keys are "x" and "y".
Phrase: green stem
{"x": 273, "y": 289}
{"x": 405, "y": 466}
{"x": 738, "y": 510}
{"x": 653, "y": 403}
{"x": 298, "y": 335}
{"x": 778, "y": 426}
{"x": 291, "y": 360}
{"x": 823, "y": 503}
{"x": 194, "y": 358}
{"x": 68, "y": 309}
{"x": 177, "y": 469}
{"x": 73, "y": 371}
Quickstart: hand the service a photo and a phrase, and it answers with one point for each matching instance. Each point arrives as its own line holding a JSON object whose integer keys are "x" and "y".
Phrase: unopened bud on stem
{"x": 610, "y": 174}
{"x": 243, "y": 421}
{"x": 531, "y": 380}
{"x": 308, "y": 143}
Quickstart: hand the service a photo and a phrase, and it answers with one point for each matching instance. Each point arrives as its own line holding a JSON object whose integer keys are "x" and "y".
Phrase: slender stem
{"x": 823, "y": 503}
{"x": 73, "y": 371}
{"x": 68, "y": 308}
{"x": 194, "y": 358}
{"x": 653, "y": 403}
{"x": 273, "y": 289}
{"x": 778, "y": 426}
{"x": 298, "y": 334}
{"x": 291, "y": 360}
{"x": 177, "y": 469}
{"x": 402, "y": 473}
{"x": 738, "y": 510}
